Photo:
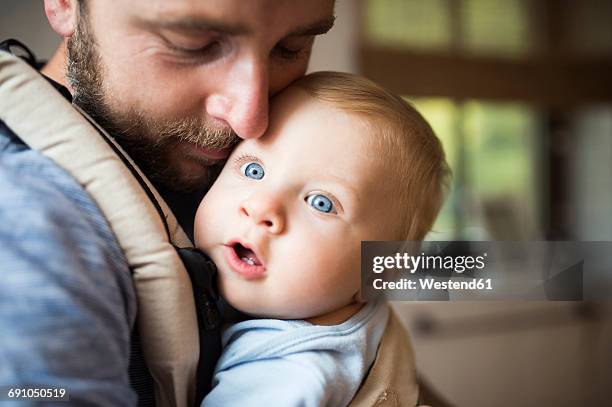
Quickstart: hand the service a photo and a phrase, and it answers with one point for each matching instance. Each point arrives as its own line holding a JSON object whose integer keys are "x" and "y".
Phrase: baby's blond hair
{"x": 413, "y": 153}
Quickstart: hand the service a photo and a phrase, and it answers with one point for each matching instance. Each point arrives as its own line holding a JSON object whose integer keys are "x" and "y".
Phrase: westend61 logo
{"x": 486, "y": 270}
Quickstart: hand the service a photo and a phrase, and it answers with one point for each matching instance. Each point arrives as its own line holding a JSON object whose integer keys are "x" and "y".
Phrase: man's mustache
{"x": 200, "y": 133}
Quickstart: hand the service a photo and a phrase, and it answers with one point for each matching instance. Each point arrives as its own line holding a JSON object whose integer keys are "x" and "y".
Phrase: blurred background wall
{"x": 520, "y": 93}
{"x": 25, "y": 20}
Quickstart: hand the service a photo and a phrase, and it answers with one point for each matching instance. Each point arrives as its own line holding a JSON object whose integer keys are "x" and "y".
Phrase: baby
{"x": 342, "y": 161}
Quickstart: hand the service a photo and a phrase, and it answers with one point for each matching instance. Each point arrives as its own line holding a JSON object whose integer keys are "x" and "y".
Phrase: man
{"x": 177, "y": 83}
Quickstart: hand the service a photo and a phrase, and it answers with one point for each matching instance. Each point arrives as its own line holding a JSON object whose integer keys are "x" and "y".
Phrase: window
{"x": 492, "y": 150}
{"x": 501, "y": 82}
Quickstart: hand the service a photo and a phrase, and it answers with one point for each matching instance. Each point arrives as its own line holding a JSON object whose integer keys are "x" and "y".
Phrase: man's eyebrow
{"x": 193, "y": 25}
{"x": 317, "y": 28}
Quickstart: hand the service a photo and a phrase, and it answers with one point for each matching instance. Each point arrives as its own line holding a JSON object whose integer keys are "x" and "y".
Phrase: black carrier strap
{"x": 15, "y": 47}
{"x": 140, "y": 378}
{"x": 203, "y": 274}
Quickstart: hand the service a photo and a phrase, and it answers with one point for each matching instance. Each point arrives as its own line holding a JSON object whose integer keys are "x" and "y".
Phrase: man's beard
{"x": 150, "y": 142}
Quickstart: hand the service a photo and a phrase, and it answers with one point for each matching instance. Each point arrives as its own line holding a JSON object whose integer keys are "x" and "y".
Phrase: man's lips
{"x": 211, "y": 153}
{"x": 244, "y": 260}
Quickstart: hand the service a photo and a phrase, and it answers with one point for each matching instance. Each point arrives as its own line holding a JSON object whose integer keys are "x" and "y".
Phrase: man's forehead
{"x": 237, "y": 16}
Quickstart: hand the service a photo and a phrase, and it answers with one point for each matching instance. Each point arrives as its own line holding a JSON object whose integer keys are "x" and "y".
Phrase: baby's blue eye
{"x": 253, "y": 170}
{"x": 320, "y": 203}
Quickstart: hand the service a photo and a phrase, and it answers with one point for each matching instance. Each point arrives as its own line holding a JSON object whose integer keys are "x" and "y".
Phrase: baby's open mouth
{"x": 244, "y": 261}
{"x": 246, "y": 255}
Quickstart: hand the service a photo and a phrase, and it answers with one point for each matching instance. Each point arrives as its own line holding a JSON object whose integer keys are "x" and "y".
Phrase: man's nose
{"x": 242, "y": 97}
{"x": 266, "y": 213}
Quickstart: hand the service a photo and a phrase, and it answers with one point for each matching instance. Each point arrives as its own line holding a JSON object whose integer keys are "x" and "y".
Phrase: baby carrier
{"x": 173, "y": 324}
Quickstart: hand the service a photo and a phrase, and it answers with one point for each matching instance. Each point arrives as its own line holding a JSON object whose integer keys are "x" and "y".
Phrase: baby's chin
{"x": 254, "y": 309}
{"x": 251, "y": 303}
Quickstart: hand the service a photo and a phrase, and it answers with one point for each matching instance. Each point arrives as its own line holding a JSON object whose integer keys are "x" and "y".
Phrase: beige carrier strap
{"x": 166, "y": 320}
{"x": 392, "y": 380}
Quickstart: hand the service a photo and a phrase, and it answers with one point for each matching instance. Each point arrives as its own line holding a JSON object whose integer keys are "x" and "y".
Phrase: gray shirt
{"x": 67, "y": 301}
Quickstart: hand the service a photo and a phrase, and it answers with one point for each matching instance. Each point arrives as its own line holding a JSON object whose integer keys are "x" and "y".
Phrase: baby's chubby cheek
{"x": 213, "y": 219}
{"x": 217, "y": 212}
{"x": 202, "y": 227}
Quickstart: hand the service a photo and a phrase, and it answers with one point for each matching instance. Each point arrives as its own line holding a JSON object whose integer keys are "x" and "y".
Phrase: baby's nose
{"x": 265, "y": 213}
